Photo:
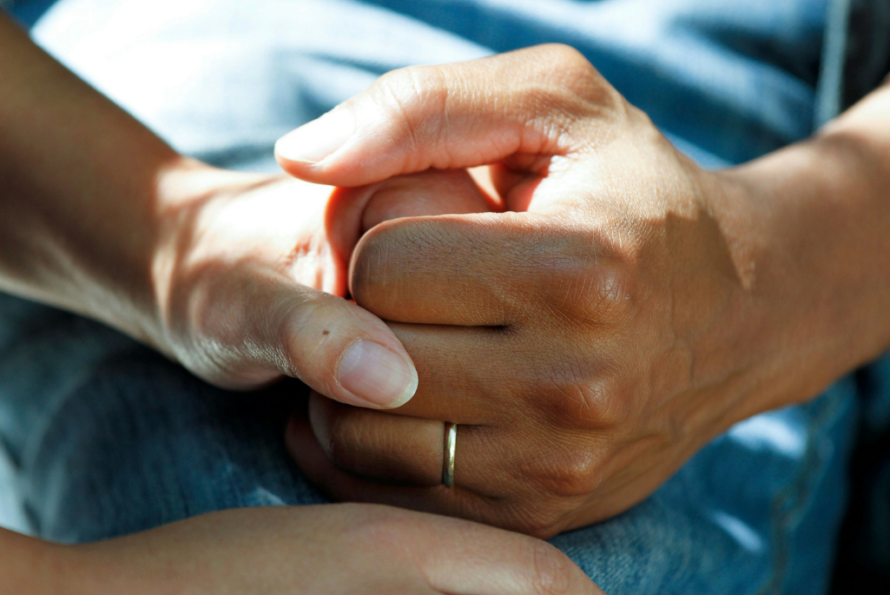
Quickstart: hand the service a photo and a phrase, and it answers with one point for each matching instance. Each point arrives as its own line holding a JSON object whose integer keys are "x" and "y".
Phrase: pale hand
{"x": 250, "y": 275}
{"x": 316, "y": 550}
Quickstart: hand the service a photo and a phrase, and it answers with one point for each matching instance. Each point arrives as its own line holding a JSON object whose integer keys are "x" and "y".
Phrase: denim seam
{"x": 829, "y": 96}
{"x": 787, "y": 505}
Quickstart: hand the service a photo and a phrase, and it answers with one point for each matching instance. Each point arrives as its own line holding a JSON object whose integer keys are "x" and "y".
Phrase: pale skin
{"x": 239, "y": 278}
{"x": 628, "y": 307}
{"x": 337, "y": 549}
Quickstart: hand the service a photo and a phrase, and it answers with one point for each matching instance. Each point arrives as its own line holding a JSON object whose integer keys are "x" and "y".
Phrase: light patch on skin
{"x": 312, "y": 263}
{"x": 278, "y": 220}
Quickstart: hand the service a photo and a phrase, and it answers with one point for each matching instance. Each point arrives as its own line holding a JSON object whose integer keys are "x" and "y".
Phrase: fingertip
{"x": 347, "y": 169}
{"x": 317, "y": 140}
{"x": 344, "y": 352}
{"x": 294, "y": 168}
{"x": 378, "y": 375}
{"x": 302, "y": 170}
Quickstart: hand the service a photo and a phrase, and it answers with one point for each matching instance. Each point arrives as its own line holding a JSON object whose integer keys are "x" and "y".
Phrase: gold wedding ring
{"x": 450, "y": 447}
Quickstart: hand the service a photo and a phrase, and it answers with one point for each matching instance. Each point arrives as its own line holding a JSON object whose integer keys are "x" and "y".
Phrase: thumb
{"x": 523, "y": 104}
{"x": 250, "y": 329}
{"x": 341, "y": 350}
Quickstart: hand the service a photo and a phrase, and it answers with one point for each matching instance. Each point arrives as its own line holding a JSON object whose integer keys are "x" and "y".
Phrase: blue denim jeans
{"x": 103, "y": 437}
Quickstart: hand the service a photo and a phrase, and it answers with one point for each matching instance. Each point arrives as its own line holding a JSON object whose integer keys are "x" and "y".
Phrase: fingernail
{"x": 318, "y": 139}
{"x": 374, "y": 373}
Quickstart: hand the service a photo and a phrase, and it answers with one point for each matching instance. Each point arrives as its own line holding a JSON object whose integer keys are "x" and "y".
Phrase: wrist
{"x": 813, "y": 225}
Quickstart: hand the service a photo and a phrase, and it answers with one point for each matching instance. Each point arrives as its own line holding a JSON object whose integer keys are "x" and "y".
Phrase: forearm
{"x": 29, "y": 565}
{"x": 820, "y": 226}
{"x": 80, "y": 192}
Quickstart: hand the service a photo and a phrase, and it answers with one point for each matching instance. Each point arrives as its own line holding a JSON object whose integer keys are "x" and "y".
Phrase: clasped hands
{"x": 590, "y": 320}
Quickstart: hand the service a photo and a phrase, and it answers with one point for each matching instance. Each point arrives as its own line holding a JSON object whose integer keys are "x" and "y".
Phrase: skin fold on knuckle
{"x": 580, "y": 275}
{"x": 551, "y": 570}
{"x": 565, "y": 474}
{"x": 575, "y": 393}
{"x": 407, "y": 98}
{"x": 593, "y": 296}
{"x": 567, "y": 88}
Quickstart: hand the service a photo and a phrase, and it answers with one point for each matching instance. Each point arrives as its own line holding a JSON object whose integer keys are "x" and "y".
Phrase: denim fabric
{"x": 106, "y": 438}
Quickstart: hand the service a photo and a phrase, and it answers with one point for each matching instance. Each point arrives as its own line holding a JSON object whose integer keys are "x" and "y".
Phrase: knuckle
{"x": 570, "y": 473}
{"x": 619, "y": 402}
{"x": 573, "y": 404}
{"x": 608, "y": 403}
{"x": 576, "y": 397}
{"x": 552, "y": 569}
{"x": 624, "y": 240}
{"x": 569, "y": 466}
{"x": 609, "y": 297}
{"x": 605, "y": 403}
{"x": 311, "y": 311}
{"x": 565, "y": 57}
{"x": 581, "y": 82}
{"x": 582, "y": 281}
{"x": 412, "y": 82}
{"x": 588, "y": 405}
{"x": 596, "y": 294}
{"x": 406, "y": 97}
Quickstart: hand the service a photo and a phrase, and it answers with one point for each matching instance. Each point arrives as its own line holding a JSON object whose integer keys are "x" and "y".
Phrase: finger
{"x": 353, "y": 211}
{"x": 442, "y": 271}
{"x": 530, "y": 102}
{"x": 493, "y": 269}
{"x": 395, "y": 449}
{"x": 430, "y": 193}
{"x": 258, "y": 321}
{"x": 386, "y": 448}
{"x": 346, "y": 353}
{"x": 467, "y": 375}
{"x": 340, "y": 485}
{"x": 519, "y": 512}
